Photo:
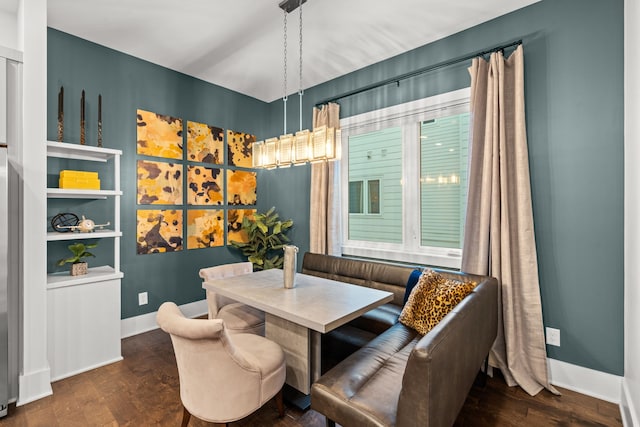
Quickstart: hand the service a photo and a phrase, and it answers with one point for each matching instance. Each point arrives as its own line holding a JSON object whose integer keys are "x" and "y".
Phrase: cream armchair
{"x": 223, "y": 377}
{"x": 238, "y": 317}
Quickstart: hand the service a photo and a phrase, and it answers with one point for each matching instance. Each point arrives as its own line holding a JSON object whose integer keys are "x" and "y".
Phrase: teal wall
{"x": 574, "y": 102}
{"x": 126, "y": 84}
{"x": 574, "y": 89}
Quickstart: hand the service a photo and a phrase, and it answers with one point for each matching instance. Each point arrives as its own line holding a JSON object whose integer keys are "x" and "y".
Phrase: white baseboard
{"x": 85, "y": 369}
{"x": 147, "y": 322}
{"x": 630, "y": 414}
{"x": 584, "y": 380}
{"x": 33, "y": 386}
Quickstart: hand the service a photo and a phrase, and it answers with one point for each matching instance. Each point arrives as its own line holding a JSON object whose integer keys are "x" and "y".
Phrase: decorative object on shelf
{"x": 205, "y": 228}
{"x": 82, "y": 135}
{"x": 241, "y": 187}
{"x": 79, "y": 180}
{"x": 304, "y": 146}
{"x": 158, "y": 231}
{"x": 159, "y": 183}
{"x": 235, "y": 232}
{"x": 159, "y": 135}
{"x": 239, "y": 147}
{"x": 266, "y": 238}
{"x": 99, "y": 120}
{"x": 79, "y": 251}
{"x": 289, "y": 266}
{"x": 60, "y": 114}
{"x": 63, "y": 222}
{"x": 204, "y": 143}
{"x": 85, "y": 225}
{"x": 204, "y": 186}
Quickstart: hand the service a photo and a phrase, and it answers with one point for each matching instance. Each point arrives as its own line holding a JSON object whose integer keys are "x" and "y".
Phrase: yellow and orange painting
{"x": 239, "y": 147}
{"x": 241, "y": 188}
{"x": 235, "y": 233}
{"x": 205, "y": 228}
{"x": 158, "y": 231}
{"x": 204, "y": 143}
{"x": 159, "y": 183}
{"x": 204, "y": 186}
{"x": 159, "y": 135}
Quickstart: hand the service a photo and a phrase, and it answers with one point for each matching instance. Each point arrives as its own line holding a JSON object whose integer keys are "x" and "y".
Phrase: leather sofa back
{"x": 377, "y": 275}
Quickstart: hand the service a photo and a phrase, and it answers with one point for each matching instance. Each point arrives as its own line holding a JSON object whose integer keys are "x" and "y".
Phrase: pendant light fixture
{"x": 304, "y": 146}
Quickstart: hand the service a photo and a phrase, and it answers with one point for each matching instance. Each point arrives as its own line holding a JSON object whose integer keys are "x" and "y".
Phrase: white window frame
{"x": 409, "y": 116}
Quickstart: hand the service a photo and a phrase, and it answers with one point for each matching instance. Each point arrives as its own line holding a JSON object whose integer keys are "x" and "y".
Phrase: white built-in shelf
{"x": 94, "y": 274}
{"x": 70, "y": 193}
{"x": 80, "y": 152}
{"x": 97, "y": 234}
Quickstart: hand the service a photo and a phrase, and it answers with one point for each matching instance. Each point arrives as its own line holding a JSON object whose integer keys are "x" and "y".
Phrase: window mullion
{"x": 411, "y": 187}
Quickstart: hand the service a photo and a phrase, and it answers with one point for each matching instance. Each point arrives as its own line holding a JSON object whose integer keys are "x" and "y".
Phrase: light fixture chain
{"x": 300, "y": 92}
{"x": 284, "y": 95}
{"x": 300, "y": 28}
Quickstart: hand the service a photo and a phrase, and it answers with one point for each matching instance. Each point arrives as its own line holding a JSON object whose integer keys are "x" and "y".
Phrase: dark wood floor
{"x": 143, "y": 390}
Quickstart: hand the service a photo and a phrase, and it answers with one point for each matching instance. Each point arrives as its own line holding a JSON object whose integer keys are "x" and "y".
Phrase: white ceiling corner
{"x": 238, "y": 44}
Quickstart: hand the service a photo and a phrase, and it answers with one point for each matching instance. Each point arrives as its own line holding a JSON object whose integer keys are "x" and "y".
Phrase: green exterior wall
{"x": 574, "y": 102}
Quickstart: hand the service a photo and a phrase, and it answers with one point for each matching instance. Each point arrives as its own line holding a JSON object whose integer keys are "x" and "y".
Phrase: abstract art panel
{"x": 205, "y": 186}
{"x": 241, "y": 188}
{"x": 158, "y": 231}
{"x": 234, "y": 225}
{"x": 205, "y": 229}
{"x": 158, "y": 135}
{"x": 240, "y": 147}
{"x": 204, "y": 143}
{"x": 159, "y": 183}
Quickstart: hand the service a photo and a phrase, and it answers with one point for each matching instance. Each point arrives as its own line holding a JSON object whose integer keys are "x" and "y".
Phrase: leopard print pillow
{"x": 433, "y": 297}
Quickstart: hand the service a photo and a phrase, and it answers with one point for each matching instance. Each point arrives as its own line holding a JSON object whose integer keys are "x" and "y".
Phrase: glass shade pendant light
{"x": 321, "y": 144}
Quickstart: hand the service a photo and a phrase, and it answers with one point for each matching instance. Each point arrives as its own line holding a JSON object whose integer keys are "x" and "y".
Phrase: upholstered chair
{"x": 223, "y": 377}
{"x": 238, "y": 317}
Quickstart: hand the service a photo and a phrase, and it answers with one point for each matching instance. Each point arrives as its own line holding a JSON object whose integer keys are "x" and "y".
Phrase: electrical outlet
{"x": 143, "y": 298}
{"x": 553, "y": 336}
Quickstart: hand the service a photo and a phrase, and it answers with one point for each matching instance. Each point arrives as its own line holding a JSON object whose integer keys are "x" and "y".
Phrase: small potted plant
{"x": 265, "y": 239}
{"x": 79, "y": 251}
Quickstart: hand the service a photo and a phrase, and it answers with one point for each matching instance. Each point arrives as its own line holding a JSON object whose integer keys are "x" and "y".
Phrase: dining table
{"x": 296, "y": 317}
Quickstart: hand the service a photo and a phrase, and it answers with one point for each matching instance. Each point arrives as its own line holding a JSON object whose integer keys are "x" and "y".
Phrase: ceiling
{"x": 238, "y": 44}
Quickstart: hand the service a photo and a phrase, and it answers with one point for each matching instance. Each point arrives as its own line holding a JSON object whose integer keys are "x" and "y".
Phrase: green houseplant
{"x": 79, "y": 251}
{"x": 266, "y": 237}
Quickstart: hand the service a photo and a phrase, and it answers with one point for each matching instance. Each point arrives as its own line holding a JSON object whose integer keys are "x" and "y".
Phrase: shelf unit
{"x": 91, "y": 154}
{"x": 84, "y": 311}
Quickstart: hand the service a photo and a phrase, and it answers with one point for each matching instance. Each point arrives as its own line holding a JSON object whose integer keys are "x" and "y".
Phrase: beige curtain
{"x": 324, "y": 221}
{"x": 499, "y": 238}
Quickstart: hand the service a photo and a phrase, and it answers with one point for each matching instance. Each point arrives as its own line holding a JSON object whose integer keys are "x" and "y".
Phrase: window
{"x": 404, "y": 177}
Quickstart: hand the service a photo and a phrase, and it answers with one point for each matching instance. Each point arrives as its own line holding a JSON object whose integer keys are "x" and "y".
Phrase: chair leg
{"x": 280, "y": 404}
{"x": 186, "y": 416}
{"x": 330, "y": 423}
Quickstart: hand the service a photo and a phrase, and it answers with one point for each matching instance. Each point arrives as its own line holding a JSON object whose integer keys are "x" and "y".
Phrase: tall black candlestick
{"x": 82, "y": 136}
{"x": 60, "y": 114}
{"x": 99, "y": 120}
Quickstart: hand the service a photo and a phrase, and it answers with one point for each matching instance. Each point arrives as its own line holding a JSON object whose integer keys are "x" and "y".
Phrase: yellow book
{"x": 79, "y": 184}
{"x": 78, "y": 174}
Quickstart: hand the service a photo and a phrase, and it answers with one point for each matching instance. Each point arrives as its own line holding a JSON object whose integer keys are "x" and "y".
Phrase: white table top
{"x": 316, "y": 303}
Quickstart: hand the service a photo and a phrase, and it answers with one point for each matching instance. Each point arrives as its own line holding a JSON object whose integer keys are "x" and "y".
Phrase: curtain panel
{"x": 499, "y": 237}
{"x": 324, "y": 222}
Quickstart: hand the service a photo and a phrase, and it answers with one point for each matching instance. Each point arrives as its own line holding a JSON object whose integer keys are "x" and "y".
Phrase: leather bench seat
{"x": 363, "y": 389}
{"x": 397, "y": 377}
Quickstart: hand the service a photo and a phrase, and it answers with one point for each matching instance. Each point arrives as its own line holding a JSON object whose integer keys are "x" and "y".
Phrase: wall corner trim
{"x": 630, "y": 414}
{"x": 147, "y": 322}
{"x": 600, "y": 385}
{"x": 33, "y": 386}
